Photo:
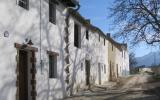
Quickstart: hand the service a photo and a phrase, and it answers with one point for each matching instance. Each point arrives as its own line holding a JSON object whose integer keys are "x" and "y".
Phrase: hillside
{"x": 152, "y": 58}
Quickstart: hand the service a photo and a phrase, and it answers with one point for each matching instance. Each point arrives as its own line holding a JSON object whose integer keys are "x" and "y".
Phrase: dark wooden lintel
{"x": 52, "y": 53}
{"x": 25, "y": 47}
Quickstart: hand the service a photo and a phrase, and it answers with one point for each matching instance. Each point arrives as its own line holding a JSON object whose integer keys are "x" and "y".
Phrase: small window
{"x": 112, "y": 47}
{"x": 122, "y": 54}
{"x": 77, "y": 35}
{"x": 104, "y": 42}
{"x": 81, "y": 66}
{"x": 52, "y": 64}
{"x": 87, "y": 34}
{"x": 52, "y": 12}
{"x": 24, "y": 4}
{"x": 104, "y": 68}
{"x": 99, "y": 37}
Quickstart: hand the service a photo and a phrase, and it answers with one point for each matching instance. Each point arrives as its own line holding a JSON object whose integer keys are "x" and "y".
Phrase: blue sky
{"x": 97, "y": 11}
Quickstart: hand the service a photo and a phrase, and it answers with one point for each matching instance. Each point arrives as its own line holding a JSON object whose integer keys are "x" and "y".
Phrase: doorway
{"x": 23, "y": 75}
{"x": 26, "y": 72}
{"x": 99, "y": 73}
{"x": 87, "y": 67}
{"x": 117, "y": 70}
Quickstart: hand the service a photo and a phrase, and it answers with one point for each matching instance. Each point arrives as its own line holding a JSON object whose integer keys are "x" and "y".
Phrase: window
{"x": 87, "y": 34}
{"x": 81, "y": 66}
{"x": 99, "y": 37}
{"x": 104, "y": 68}
{"x": 77, "y": 35}
{"x": 52, "y": 64}
{"x": 24, "y": 4}
{"x": 112, "y": 47}
{"x": 104, "y": 42}
{"x": 52, "y": 12}
{"x": 101, "y": 66}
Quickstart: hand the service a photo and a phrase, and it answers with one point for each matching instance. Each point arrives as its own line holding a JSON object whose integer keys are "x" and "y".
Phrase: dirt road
{"x": 137, "y": 87}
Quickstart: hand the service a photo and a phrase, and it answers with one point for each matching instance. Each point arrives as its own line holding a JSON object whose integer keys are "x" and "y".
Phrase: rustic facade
{"x": 49, "y": 51}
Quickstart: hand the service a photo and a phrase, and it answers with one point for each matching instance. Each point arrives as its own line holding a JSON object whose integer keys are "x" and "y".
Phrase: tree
{"x": 138, "y": 20}
{"x": 132, "y": 60}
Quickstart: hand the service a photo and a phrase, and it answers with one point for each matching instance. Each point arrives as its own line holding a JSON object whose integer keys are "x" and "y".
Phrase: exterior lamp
{"x": 6, "y": 34}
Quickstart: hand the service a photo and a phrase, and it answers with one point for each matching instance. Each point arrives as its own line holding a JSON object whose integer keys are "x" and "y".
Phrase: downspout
{"x": 40, "y": 27}
{"x": 66, "y": 49}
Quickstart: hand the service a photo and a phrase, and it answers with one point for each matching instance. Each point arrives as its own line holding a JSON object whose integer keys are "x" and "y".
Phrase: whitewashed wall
{"x": 22, "y": 24}
{"x": 92, "y": 50}
{"x": 123, "y": 62}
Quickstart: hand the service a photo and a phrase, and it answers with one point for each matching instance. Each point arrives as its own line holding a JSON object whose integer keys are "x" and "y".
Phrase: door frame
{"x": 32, "y": 70}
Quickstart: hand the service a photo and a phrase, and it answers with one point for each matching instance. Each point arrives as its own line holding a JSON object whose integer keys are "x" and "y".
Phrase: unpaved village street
{"x": 137, "y": 87}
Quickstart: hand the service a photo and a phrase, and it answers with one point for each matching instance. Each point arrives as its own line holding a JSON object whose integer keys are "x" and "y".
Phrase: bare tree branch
{"x": 138, "y": 20}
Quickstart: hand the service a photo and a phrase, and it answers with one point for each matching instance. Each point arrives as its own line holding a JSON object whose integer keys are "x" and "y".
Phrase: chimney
{"x": 88, "y": 20}
{"x": 108, "y": 35}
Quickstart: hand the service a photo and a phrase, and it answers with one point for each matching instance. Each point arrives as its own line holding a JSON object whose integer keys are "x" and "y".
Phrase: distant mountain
{"x": 152, "y": 58}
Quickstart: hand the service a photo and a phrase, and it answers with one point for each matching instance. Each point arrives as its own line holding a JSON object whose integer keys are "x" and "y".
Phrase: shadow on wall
{"x": 8, "y": 85}
{"x": 52, "y": 91}
{"x": 10, "y": 81}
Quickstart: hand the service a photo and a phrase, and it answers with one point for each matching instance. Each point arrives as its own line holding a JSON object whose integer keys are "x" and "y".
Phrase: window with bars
{"x": 77, "y": 35}
{"x": 52, "y": 11}
{"x": 24, "y": 4}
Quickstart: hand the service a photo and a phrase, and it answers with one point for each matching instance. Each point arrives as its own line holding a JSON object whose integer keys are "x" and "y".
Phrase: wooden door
{"x": 23, "y": 75}
{"x": 99, "y": 72}
{"x": 87, "y": 63}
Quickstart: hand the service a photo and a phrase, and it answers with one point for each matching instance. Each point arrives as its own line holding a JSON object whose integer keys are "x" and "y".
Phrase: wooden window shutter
{"x": 77, "y": 35}
{"x": 52, "y": 12}
{"x": 51, "y": 69}
{"x": 52, "y": 66}
{"x": 87, "y": 34}
{"x": 55, "y": 67}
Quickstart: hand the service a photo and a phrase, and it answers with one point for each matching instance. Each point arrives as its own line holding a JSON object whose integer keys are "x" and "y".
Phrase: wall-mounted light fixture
{"x": 6, "y": 34}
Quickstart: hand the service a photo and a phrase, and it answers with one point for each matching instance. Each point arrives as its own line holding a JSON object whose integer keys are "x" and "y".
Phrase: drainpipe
{"x": 40, "y": 27}
{"x": 66, "y": 49}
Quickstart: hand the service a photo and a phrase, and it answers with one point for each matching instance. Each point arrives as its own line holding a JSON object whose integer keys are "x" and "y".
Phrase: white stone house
{"x": 48, "y": 50}
{"x": 118, "y": 59}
